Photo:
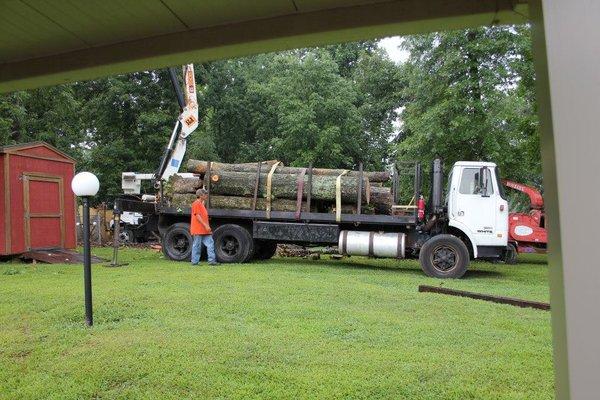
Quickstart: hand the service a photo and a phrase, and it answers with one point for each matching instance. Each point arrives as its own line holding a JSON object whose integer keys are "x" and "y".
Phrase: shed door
{"x": 44, "y": 211}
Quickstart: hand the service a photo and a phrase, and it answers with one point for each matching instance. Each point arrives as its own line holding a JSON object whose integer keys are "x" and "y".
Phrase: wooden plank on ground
{"x": 57, "y": 256}
{"x": 486, "y": 297}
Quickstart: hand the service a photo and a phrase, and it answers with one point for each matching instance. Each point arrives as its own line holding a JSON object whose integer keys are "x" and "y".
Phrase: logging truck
{"x": 468, "y": 221}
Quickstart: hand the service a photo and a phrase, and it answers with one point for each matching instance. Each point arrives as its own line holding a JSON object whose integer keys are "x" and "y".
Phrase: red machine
{"x": 527, "y": 231}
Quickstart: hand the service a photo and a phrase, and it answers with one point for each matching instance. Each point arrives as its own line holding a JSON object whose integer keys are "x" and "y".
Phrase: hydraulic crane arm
{"x": 536, "y": 201}
{"x": 174, "y": 152}
{"x": 184, "y": 126}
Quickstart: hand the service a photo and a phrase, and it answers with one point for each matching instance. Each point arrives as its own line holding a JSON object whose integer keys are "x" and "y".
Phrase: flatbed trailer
{"x": 267, "y": 228}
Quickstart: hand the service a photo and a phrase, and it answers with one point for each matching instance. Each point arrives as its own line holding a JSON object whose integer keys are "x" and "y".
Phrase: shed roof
{"x": 28, "y": 150}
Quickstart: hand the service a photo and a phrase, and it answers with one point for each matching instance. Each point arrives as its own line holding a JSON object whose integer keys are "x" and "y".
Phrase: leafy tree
{"x": 333, "y": 106}
{"x": 128, "y": 120}
{"x": 348, "y": 55}
{"x": 49, "y": 114}
{"x": 462, "y": 95}
{"x": 380, "y": 86}
{"x": 470, "y": 96}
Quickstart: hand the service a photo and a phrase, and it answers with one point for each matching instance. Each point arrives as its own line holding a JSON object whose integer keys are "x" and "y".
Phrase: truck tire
{"x": 233, "y": 244}
{"x": 510, "y": 254}
{"x": 126, "y": 236}
{"x": 444, "y": 256}
{"x": 177, "y": 242}
{"x": 264, "y": 249}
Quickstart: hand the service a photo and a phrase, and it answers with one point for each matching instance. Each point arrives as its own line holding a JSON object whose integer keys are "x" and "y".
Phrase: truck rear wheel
{"x": 177, "y": 242}
{"x": 233, "y": 244}
{"x": 264, "y": 249}
{"x": 444, "y": 256}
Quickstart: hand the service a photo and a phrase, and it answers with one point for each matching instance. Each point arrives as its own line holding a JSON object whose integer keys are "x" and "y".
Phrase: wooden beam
{"x": 486, "y": 297}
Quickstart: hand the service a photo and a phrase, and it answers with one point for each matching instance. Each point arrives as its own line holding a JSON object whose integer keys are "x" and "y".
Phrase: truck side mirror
{"x": 483, "y": 181}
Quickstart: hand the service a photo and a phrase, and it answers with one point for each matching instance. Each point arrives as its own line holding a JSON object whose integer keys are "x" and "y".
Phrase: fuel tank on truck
{"x": 374, "y": 244}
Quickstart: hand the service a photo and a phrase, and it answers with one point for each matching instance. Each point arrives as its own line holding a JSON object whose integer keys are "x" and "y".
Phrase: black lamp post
{"x": 86, "y": 185}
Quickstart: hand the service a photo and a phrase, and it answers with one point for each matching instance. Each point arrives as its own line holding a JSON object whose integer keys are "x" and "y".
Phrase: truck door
{"x": 475, "y": 208}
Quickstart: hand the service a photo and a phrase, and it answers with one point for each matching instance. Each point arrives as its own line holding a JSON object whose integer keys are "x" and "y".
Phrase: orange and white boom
{"x": 186, "y": 124}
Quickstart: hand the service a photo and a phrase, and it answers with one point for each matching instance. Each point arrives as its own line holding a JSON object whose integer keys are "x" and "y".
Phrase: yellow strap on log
{"x": 338, "y": 196}
{"x": 269, "y": 184}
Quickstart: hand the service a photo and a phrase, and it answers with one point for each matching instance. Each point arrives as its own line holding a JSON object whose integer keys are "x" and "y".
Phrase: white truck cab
{"x": 477, "y": 206}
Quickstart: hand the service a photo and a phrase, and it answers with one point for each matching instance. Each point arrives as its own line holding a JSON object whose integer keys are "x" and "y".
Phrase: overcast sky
{"x": 391, "y": 45}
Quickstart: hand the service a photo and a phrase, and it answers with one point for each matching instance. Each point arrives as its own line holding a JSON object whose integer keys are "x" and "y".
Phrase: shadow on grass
{"x": 477, "y": 273}
{"x": 340, "y": 264}
{"x": 533, "y": 258}
{"x": 365, "y": 265}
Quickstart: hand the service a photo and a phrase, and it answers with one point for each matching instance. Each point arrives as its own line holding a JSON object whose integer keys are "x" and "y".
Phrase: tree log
{"x": 245, "y": 203}
{"x": 200, "y": 167}
{"x": 382, "y": 200}
{"x": 236, "y": 202}
{"x": 284, "y": 186}
{"x": 179, "y": 184}
{"x": 181, "y": 200}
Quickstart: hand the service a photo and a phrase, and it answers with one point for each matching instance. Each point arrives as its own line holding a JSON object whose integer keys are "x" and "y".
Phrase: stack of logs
{"x": 233, "y": 186}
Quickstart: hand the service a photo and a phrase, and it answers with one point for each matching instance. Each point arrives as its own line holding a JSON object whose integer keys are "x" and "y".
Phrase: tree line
{"x": 461, "y": 95}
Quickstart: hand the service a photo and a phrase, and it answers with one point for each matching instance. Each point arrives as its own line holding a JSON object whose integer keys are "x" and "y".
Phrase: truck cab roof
{"x": 475, "y": 164}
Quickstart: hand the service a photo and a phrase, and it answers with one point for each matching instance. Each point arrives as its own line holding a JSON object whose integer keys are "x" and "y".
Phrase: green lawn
{"x": 286, "y": 328}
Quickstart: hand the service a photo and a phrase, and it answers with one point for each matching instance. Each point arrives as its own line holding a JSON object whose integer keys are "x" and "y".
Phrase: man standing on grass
{"x": 200, "y": 229}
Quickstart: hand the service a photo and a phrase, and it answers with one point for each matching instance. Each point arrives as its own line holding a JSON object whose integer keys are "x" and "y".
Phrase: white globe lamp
{"x": 86, "y": 185}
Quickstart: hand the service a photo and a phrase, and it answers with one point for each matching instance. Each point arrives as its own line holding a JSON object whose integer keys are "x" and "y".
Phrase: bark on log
{"x": 236, "y": 202}
{"x": 382, "y": 200}
{"x": 245, "y": 203}
{"x": 181, "y": 200}
{"x": 284, "y": 186}
{"x": 179, "y": 184}
{"x": 200, "y": 167}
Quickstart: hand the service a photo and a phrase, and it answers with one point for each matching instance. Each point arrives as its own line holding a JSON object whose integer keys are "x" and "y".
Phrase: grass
{"x": 285, "y": 328}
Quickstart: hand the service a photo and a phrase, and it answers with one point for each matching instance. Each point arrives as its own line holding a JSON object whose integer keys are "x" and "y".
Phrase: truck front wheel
{"x": 444, "y": 256}
{"x": 177, "y": 242}
{"x": 233, "y": 244}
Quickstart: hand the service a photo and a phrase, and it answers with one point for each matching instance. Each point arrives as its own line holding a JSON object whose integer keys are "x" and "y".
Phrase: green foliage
{"x": 470, "y": 97}
{"x": 49, "y": 114}
{"x": 287, "y": 328}
{"x": 332, "y": 106}
{"x": 129, "y": 120}
{"x": 463, "y": 95}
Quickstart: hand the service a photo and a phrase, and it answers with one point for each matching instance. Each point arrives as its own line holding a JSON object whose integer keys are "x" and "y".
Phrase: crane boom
{"x": 186, "y": 124}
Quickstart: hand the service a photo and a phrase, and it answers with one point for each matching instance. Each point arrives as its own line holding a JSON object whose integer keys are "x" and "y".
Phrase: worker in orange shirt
{"x": 200, "y": 229}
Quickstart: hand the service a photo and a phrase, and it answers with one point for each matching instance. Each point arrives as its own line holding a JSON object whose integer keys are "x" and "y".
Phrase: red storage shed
{"x": 37, "y": 205}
